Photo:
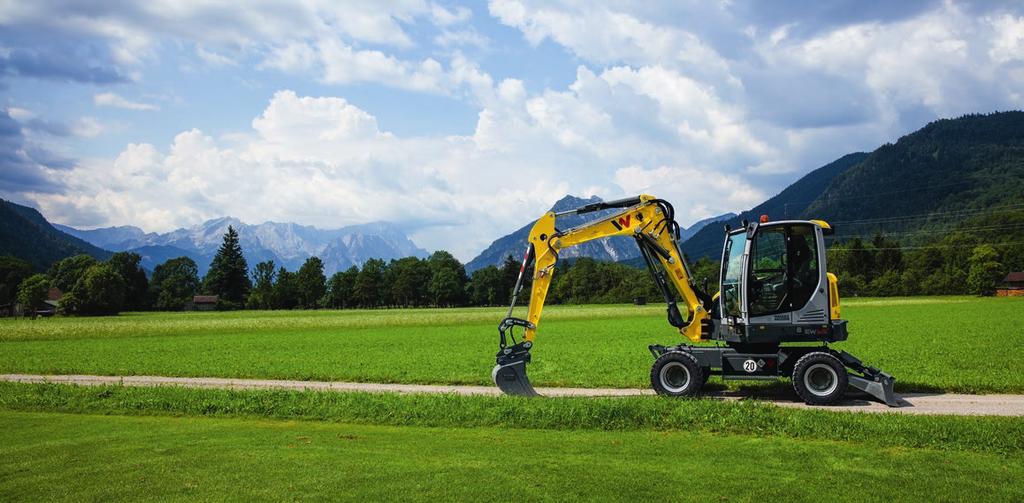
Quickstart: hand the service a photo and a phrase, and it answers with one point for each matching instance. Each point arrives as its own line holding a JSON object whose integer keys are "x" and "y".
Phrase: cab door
{"x": 732, "y": 297}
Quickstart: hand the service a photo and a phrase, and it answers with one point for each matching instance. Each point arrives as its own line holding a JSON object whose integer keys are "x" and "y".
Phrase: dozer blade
{"x": 881, "y": 389}
{"x": 874, "y": 382}
{"x": 511, "y": 379}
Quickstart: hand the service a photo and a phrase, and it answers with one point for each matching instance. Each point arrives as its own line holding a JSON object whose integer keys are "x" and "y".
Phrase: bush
{"x": 32, "y": 292}
{"x": 100, "y": 291}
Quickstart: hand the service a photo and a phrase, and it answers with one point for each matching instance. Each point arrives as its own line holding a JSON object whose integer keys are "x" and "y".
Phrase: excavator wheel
{"x": 677, "y": 374}
{"x": 820, "y": 378}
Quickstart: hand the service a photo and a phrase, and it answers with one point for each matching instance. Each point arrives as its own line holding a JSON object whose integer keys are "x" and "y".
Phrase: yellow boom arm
{"x": 646, "y": 221}
{"x": 650, "y": 221}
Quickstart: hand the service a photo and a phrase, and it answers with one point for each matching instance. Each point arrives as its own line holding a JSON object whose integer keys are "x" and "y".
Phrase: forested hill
{"x": 790, "y": 203}
{"x": 926, "y": 183}
{"x": 25, "y": 234}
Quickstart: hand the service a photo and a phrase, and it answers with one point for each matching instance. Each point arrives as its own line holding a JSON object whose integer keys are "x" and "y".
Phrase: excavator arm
{"x": 649, "y": 221}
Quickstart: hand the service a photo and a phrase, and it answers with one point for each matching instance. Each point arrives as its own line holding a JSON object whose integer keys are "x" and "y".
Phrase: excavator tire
{"x": 820, "y": 378}
{"x": 677, "y": 374}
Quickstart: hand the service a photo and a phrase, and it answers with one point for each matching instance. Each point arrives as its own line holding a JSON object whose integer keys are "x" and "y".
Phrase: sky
{"x": 463, "y": 122}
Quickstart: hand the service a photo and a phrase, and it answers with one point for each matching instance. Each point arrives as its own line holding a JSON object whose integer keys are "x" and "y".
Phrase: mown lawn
{"x": 54, "y": 457}
{"x": 960, "y": 344}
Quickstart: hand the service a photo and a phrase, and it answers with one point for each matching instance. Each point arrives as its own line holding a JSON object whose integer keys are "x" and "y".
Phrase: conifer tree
{"x": 228, "y": 276}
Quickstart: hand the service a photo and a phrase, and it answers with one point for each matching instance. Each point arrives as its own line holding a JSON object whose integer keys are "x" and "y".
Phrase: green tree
{"x": 32, "y": 292}
{"x": 367, "y": 289}
{"x": 137, "y": 286}
{"x": 510, "y": 273}
{"x": 706, "y": 271}
{"x": 985, "y": 270}
{"x": 311, "y": 283}
{"x": 174, "y": 283}
{"x": 286, "y": 290}
{"x": 409, "y": 279}
{"x": 13, "y": 271}
{"x": 486, "y": 287}
{"x": 228, "y": 276}
{"x": 100, "y": 291}
{"x": 262, "y": 295}
{"x": 447, "y": 279}
{"x": 447, "y": 288}
{"x": 339, "y": 288}
{"x": 66, "y": 273}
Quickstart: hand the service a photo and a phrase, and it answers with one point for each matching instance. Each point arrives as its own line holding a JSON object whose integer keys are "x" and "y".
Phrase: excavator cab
{"x": 775, "y": 286}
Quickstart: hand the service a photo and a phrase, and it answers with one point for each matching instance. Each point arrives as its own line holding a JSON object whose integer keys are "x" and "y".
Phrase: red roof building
{"x": 1012, "y": 285}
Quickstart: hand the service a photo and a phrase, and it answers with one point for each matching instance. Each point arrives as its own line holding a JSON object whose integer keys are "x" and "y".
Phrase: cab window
{"x": 768, "y": 276}
{"x": 803, "y": 264}
{"x": 784, "y": 269}
{"x": 732, "y": 273}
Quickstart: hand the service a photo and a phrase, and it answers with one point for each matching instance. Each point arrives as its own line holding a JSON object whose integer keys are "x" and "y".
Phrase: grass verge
{"x": 54, "y": 457}
{"x": 946, "y": 433}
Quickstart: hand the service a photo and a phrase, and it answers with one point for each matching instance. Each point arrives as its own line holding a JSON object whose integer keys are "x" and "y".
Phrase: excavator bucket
{"x": 511, "y": 379}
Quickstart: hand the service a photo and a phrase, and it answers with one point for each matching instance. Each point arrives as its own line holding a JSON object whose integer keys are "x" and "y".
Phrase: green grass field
{"x": 50, "y": 456}
{"x": 957, "y": 344}
{"x": 115, "y": 443}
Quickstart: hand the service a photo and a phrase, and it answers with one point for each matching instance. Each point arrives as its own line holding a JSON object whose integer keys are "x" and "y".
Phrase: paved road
{"x": 914, "y": 403}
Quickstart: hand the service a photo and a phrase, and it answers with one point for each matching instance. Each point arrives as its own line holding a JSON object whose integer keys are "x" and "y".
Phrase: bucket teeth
{"x": 511, "y": 379}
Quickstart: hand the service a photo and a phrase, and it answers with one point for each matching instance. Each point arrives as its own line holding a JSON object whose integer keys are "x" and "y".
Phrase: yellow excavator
{"x": 775, "y": 314}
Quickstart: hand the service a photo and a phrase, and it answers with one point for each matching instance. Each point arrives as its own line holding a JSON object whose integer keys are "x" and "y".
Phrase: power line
{"x": 921, "y": 216}
{"x": 1009, "y": 227}
{"x": 929, "y": 247}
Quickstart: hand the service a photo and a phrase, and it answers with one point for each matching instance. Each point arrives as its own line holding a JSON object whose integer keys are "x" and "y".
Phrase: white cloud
{"x": 461, "y": 38}
{"x": 214, "y": 58}
{"x": 117, "y": 101}
{"x": 699, "y": 193}
{"x": 344, "y": 65}
{"x": 87, "y": 127}
{"x": 606, "y": 35}
{"x": 1008, "y": 39}
{"x": 447, "y": 17}
{"x": 293, "y": 56}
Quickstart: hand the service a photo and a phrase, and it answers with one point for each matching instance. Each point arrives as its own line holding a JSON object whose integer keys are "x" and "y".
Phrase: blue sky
{"x": 461, "y": 122}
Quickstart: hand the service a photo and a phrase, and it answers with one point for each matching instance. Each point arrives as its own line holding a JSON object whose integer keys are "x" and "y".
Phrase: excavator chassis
{"x": 732, "y": 364}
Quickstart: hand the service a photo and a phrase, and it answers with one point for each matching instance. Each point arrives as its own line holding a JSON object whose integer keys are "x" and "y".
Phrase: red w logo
{"x": 624, "y": 221}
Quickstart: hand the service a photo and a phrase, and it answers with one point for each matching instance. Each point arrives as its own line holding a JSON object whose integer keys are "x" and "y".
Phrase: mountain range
{"x": 287, "y": 244}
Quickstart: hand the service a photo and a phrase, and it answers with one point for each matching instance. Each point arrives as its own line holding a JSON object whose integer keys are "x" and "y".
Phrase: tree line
{"x": 971, "y": 261}
{"x": 93, "y": 287}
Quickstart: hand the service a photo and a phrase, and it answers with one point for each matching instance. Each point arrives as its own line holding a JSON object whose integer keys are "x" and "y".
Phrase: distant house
{"x": 1012, "y": 285}
{"x": 53, "y": 296}
{"x": 204, "y": 303}
{"x": 49, "y": 307}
